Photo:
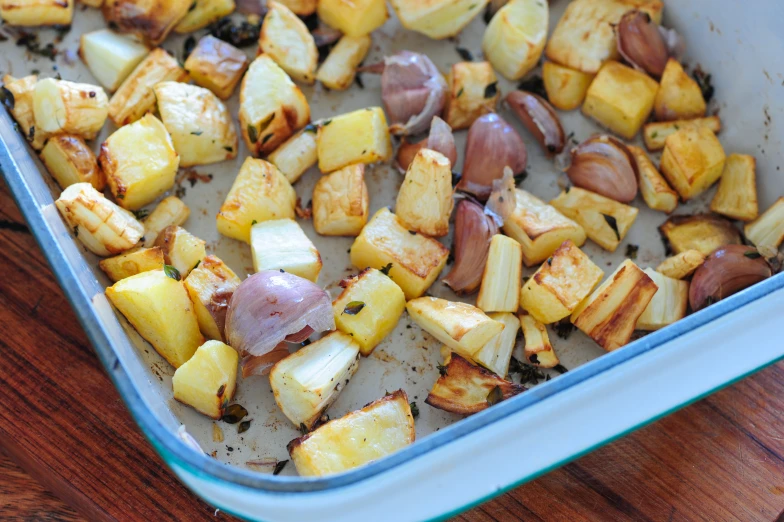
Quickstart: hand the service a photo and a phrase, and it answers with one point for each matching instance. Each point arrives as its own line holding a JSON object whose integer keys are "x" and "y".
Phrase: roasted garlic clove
{"x": 604, "y": 165}
{"x": 473, "y": 231}
{"x": 641, "y": 43}
{"x": 539, "y": 118}
{"x": 726, "y": 271}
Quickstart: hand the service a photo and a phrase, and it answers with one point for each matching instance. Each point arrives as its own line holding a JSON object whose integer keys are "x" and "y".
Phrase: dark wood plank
{"x": 62, "y": 421}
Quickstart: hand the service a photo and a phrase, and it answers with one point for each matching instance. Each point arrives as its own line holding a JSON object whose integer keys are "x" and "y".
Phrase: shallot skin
{"x": 728, "y": 270}
{"x": 413, "y": 91}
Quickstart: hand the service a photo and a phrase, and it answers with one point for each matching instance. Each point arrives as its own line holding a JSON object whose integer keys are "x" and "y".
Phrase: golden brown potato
{"x": 341, "y": 202}
{"x": 217, "y": 66}
{"x": 679, "y": 96}
{"x": 286, "y": 39}
{"x": 62, "y": 107}
{"x": 151, "y": 20}
{"x": 566, "y": 88}
{"x": 692, "y": 161}
{"x": 131, "y": 263}
{"x": 472, "y": 91}
{"x": 31, "y": 13}
{"x": 21, "y": 90}
{"x": 681, "y": 265}
{"x": 654, "y": 189}
{"x": 69, "y": 160}
{"x": 656, "y": 133}
{"x": 702, "y": 232}
{"x": 424, "y": 202}
{"x": 737, "y": 194}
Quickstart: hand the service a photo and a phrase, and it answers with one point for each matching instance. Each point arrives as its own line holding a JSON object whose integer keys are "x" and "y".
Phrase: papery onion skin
{"x": 412, "y": 90}
{"x": 492, "y": 144}
{"x": 604, "y": 165}
{"x": 728, "y": 270}
{"x": 262, "y": 364}
{"x": 473, "y": 232}
{"x": 270, "y": 306}
{"x": 641, "y": 44}
{"x": 540, "y": 119}
{"x": 502, "y": 201}
{"x": 440, "y": 140}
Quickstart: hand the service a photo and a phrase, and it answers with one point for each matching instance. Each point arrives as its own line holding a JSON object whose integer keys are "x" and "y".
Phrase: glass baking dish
{"x": 455, "y": 462}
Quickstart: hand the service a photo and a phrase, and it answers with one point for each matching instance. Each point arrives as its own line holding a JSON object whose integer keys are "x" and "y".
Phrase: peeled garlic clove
{"x": 726, "y": 271}
{"x": 440, "y": 140}
{"x": 539, "y": 118}
{"x": 412, "y": 90}
{"x": 473, "y": 232}
{"x": 641, "y": 44}
{"x": 492, "y": 144}
{"x": 604, "y": 165}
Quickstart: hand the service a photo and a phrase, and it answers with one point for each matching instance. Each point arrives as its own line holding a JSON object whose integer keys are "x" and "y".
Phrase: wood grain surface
{"x": 62, "y": 422}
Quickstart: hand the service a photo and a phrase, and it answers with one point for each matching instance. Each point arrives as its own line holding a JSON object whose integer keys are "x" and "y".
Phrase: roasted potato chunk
{"x": 286, "y": 39}
{"x": 216, "y": 65}
{"x": 566, "y": 88}
{"x": 464, "y": 388}
{"x": 62, "y": 107}
{"x": 585, "y": 36}
{"x": 692, "y": 161}
{"x": 353, "y": 17}
{"x": 308, "y": 381}
{"x": 150, "y": 20}
{"x": 654, "y": 189}
{"x": 210, "y": 286}
{"x": 301, "y": 7}
{"x": 514, "y": 39}
{"x": 200, "y": 125}
{"x": 281, "y": 244}
{"x": 416, "y": 259}
{"x": 296, "y": 155}
{"x": 103, "y": 227}
{"x": 737, "y": 194}
{"x": 356, "y": 137}
{"x": 135, "y": 96}
{"x": 206, "y": 382}
{"x": 21, "y": 90}
{"x": 472, "y": 91}
{"x": 272, "y": 107}
{"x": 377, "y": 430}
{"x": 501, "y": 280}
{"x": 368, "y": 308}
{"x": 668, "y": 304}
{"x": 159, "y": 308}
{"x": 461, "y": 326}
{"x": 424, "y": 202}
{"x": 537, "y": 349}
{"x": 437, "y": 19}
{"x": 768, "y": 229}
{"x": 259, "y": 193}
{"x": 540, "y": 228}
{"x": 32, "y": 13}
{"x": 181, "y": 249}
{"x": 702, "y": 232}
{"x": 620, "y": 98}
{"x": 69, "y": 160}
{"x": 496, "y": 354}
{"x": 681, "y": 265}
{"x": 609, "y": 315}
{"x": 138, "y": 179}
{"x": 339, "y": 69}
{"x": 202, "y": 13}
{"x": 679, "y": 97}
{"x": 560, "y": 284}
{"x": 131, "y": 263}
{"x": 656, "y": 133}
{"x": 170, "y": 211}
{"x": 110, "y": 56}
{"x": 340, "y": 202}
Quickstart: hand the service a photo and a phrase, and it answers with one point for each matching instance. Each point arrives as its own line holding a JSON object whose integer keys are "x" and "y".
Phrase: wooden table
{"x": 65, "y": 431}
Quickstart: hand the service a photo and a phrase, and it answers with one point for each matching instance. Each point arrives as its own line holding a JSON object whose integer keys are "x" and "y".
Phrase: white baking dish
{"x": 455, "y": 462}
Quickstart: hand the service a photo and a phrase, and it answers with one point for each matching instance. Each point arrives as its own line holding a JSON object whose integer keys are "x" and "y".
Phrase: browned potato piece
{"x": 656, "y": 133}
{"x": 472, "y": 92}
{"x": 217, "y": 66}
{"x": 69, "y": 160}
{"x": 702, "y": 232}
{"x": 679, "y": 96}
{"x": 654, "y": 189}
{"x": 21, "y": 90}
{"x": 692, "y": 161}
{"x": 210, "y": 286}
{"x": 132, "y": 262}
{"x": 151, "y": 20}
{"x": 681, "y": 265}
{"x": 737, "y": 194}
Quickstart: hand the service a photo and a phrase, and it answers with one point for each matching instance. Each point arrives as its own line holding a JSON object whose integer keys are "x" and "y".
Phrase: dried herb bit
{"x": 7, "y": 97}
{"x": 234, "y": 413}
{"x": 465, "y": 54}
{"x": 311, "y": 127}
{"x": 242, "y": 34}
{"x": 613, "y": 225}
{"x": 197, "y": 132}
{"x": 30, "y": 42}
{"x": 188, "y": 45}
{"x": 752, "y": 254}
{"x": 196, "y": 265}
{"x": 560, "y": 368}
{"x": 353, "y": 308}
{"x": 563, "y": 329}
{"x": 266, "y": 138}
{"x": 326, "y": 122}
{"x": 279, "y": 467}
{"x": 243, "y": 427}
{"x": 303, "y": 429}
{"x": 703, "y": 79}
{"x": 141, "y": 213}
{"x": 528, "y": 374}
{"x": 442, "y": 370}
{"x": 631, "y": 251}
{"x": 491, "y": 90}
{"x": 414, "y": 410}
{"x": 520, "y": 177}
{"x": 253, "y": 134}
{"x": 534, "y": 84}
{"x": 358, "y": 80}
{"x": 460, "y": 92}
{"x": 534, "y": 358}
{"x": 495, "y": 396}
{"x": 385, "y": 270}
{"x": 456, "y": 178}
{"x": 31, "y": 133}
{"x": 172, "y": 272}
{"x": 228, "y": 149}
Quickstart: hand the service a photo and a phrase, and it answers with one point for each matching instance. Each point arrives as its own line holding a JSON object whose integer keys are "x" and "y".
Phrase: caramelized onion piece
{"x": 604, "y": 165}
{"x": 440, "y": 140}
{"x": 473, "y": 232}
{"x": 262, "y": 364}
{"x": 641, "y": 44}
{"x": 726, "y": 271}
{"x": 270, "y": 307}
{"x": 502, "y": 201}
{"x": 492, "y": 144}
{"x": 539, "y": 118}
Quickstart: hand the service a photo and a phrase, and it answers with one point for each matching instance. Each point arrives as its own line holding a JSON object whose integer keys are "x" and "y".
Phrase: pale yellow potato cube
{"x": 202, "y": 13}
{"x": 416, "y": 259}
{"x": 681, "y": 265}
{"x": 679, "y": 96}
{"x": 22, "y": 91}
{"x": 566, "y": 88}
{"x": 181, "y": 249}
{"x": 170, "y": 211}
{"x": 151, "y": 20}
{"x": 437, "y": 19}
{"x": 259, "y": 193}
{"x": 737, "y": 194}
{"x": 69, "y": 160}
{"x": 620, "y": 98}
{"x": 111, "y": 56}
{"x": 514, "y": 39}
{"x": 216, "y": 65}
{"x": 668, "y": 304}
{"x": 472, "y": 91}
{"x": 501, "y": 279}
{"x": 32, "y": 13}
{"x": 297, "y": 154}
{"x": 361, "y": 136}
{"x": 339, "y": 69}
{"x": 159, "y": 309}
{"x": 301, "y": 7}
{"x": 340, "y": 202}
{"x": 703, "y": 232}
{"x": 353, "y": 17}
{"x": 132, "y": 263}
{"x": 424, "y": 202}
{"x": 206, "y": 382}
{"x": 281, "y": 244}
{"x": 62, "y": 107}
{"x": 537, "y": 349}
{"x": 692, "y": 161}
{"x": 654, "y": 189}
{"x": 286, "y": 39}
{"x": 655, "y": 133}
{"x": 560, "y": 284}
{"x": 210, "y": 286}
{"x": 369, "y": 308}
{"x": 768, "y": 229}
{"x": 496, "y": 354}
